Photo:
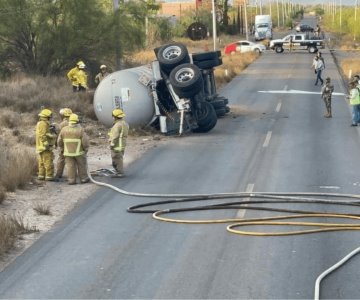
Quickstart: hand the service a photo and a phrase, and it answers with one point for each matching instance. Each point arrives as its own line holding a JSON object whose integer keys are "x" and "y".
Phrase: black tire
{"x": 279, "y": 49}
{"x": 226, "y": 100}
{"x": 205, "y": 114}
{"x": 220, "y": 112}
{"x": 185, "y": 79}
{"x": 218, "y": 103}
{"x": 206, "y": 55}
{"x": 312, "y": 49}
{"x": 172, "y": 55}
{"x": 208, "y": 64}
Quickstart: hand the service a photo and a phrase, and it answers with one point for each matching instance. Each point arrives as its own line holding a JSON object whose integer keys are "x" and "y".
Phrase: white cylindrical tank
{"x": 122, "y": 89}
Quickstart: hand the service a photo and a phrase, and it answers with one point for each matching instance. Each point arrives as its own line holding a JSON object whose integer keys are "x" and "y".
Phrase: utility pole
{"x": 278, "y": 14}
{"x": 355, "y": 20}
{"x": 246, "y": 20}
{"x": 117, "y": 36}
{"x": 214, "y": 23}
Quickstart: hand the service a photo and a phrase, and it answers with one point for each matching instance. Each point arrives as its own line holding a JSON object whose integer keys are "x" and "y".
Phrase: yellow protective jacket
{"x": 77, "y": 77}
{"x": 73, "y": 140}
{"x": 44, "y": 138}
{"x": 354, "y": 96}
{"x": 118, "y": 135}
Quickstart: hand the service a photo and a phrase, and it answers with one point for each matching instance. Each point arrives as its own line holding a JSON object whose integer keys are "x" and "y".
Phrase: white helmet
{"x": 102, "y": 67}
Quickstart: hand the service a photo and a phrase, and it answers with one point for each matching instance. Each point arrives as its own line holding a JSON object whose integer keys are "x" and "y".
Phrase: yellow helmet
{"x": 66, "y": 112}
{"x": 81, "y": 64}
{"x": 73, "y": 119}
{"x": 45, "y": 113}
{"x": 118, "y": 113}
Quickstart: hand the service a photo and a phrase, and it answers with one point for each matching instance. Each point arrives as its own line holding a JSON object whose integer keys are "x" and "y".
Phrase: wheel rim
{"x": 172, "y": 52}
{"x": 184, "y": 75}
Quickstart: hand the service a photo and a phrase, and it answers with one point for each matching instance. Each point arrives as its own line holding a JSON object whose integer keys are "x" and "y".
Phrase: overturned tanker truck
{"x": 175, "y": 93}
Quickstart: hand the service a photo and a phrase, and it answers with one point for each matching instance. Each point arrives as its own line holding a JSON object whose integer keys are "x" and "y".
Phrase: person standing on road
{"x": 117, "y": 139}
{"x": 74, "y": 143}
{"x": 45, "y": 141}
{"x": 319, "y": 67}
{"x": 78, "y": 77}
{"x": 354, "y": 99}
{"x": 60, "y": 164}
{"x": 317, "y": 30}
{"x": 103, "y": 73}
{"x": 326, "y": 93}
{"x": 357, "y": 79}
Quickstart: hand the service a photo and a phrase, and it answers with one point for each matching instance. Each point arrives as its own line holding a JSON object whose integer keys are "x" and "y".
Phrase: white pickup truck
{"x": 297, "y": 42}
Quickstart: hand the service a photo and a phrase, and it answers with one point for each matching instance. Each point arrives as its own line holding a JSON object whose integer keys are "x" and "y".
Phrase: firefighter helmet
{"x": 45, "y": 113}
{"x": 118, "y": 113}
{"x": 66, "y": 112}
{"x": 73, "y": 119}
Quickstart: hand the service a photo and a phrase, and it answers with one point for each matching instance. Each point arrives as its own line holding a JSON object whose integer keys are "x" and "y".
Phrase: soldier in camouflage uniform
{"x": 74, "y": 143}
{"x": 117, "y": 140}
{"x": 326, "y": 92}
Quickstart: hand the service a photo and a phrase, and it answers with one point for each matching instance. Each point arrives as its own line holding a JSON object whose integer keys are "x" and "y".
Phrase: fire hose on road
{"x": 256, "y": 198}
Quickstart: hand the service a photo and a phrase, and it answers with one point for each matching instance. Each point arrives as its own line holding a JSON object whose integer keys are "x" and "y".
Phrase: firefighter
{"x": 103, "y": 73}
{"x": 64, "y": 114}
{"x": 117, "y": 139}
{"x": 326, "y": 92}
{"x": 74, "y": 143}
{"x": 45, "y": 142}
{"x": 78, "y": 77}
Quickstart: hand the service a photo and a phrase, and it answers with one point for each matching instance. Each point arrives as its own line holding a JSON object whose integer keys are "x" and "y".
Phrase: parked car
{"x": 244, "y": 46}
{"x": 304, "y": 28}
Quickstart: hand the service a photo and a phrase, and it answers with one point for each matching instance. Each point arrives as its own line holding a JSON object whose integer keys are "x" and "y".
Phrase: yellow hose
{"x": 269, "y": 221}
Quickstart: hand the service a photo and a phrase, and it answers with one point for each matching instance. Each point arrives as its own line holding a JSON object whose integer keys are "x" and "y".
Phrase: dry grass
{"x": 17, "y": 164}
{"x": 10, "y": 229}
{"x": 42, "y": 209}
{"x": 351, "y": 64}
{"x": 232, "y": 66}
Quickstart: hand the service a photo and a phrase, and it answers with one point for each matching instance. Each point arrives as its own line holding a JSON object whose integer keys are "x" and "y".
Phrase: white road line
{"x": 278, "y": 107}
{"x": 267, "y": 139}
{"x": 329, "y": 187}
{"x": 241, "y": 212}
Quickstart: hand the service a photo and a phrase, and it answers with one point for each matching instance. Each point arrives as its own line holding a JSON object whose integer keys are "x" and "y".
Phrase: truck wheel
{"x": 172, "y": 55}
{"x": 312, "y": 49}
{"x": 218, "y": 103}
{"x": 220, "y": 112}
{"x": 206, "y": 117}
{"x": 257, "y": 50}
{"x": 204, "y": 114}
{"x": 279, "y": 49}
{"x": 186, "y": 78}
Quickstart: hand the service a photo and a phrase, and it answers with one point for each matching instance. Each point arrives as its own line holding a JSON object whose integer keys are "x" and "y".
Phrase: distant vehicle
{"x": 263, "y": 27}
{"x": 244, "y": 46}
{"x": 300, "y": 41}
{"x": 304, "y": 28}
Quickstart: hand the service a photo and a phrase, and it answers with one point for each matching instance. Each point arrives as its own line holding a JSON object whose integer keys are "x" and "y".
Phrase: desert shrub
{"x": 9, "y": 119}
{"x": 42, "y": 209}
{"x": 10, "y": 228}
{"x": 17, "y": 164}
{"x": 2, "y": 194}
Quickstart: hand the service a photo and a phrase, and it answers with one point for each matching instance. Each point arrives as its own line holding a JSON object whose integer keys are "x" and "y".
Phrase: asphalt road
{"x": 270, "y": 142}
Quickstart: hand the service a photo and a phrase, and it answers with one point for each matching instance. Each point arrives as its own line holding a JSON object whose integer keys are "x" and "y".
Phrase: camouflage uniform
{"x": 74, "y": 143}
{"x": 326, "y": 92}
{"x": 117, "y": 139}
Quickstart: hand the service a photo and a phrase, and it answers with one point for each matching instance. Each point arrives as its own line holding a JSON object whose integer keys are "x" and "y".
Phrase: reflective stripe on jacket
{"x": 118, "y": 135}
{"x": 73, "y": 140}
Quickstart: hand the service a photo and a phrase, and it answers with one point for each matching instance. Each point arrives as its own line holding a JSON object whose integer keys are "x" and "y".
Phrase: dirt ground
{"x": 60, "y": 197}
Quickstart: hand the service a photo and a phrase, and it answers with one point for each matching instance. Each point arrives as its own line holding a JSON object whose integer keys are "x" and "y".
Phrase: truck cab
{"x": 263, "y": 27}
